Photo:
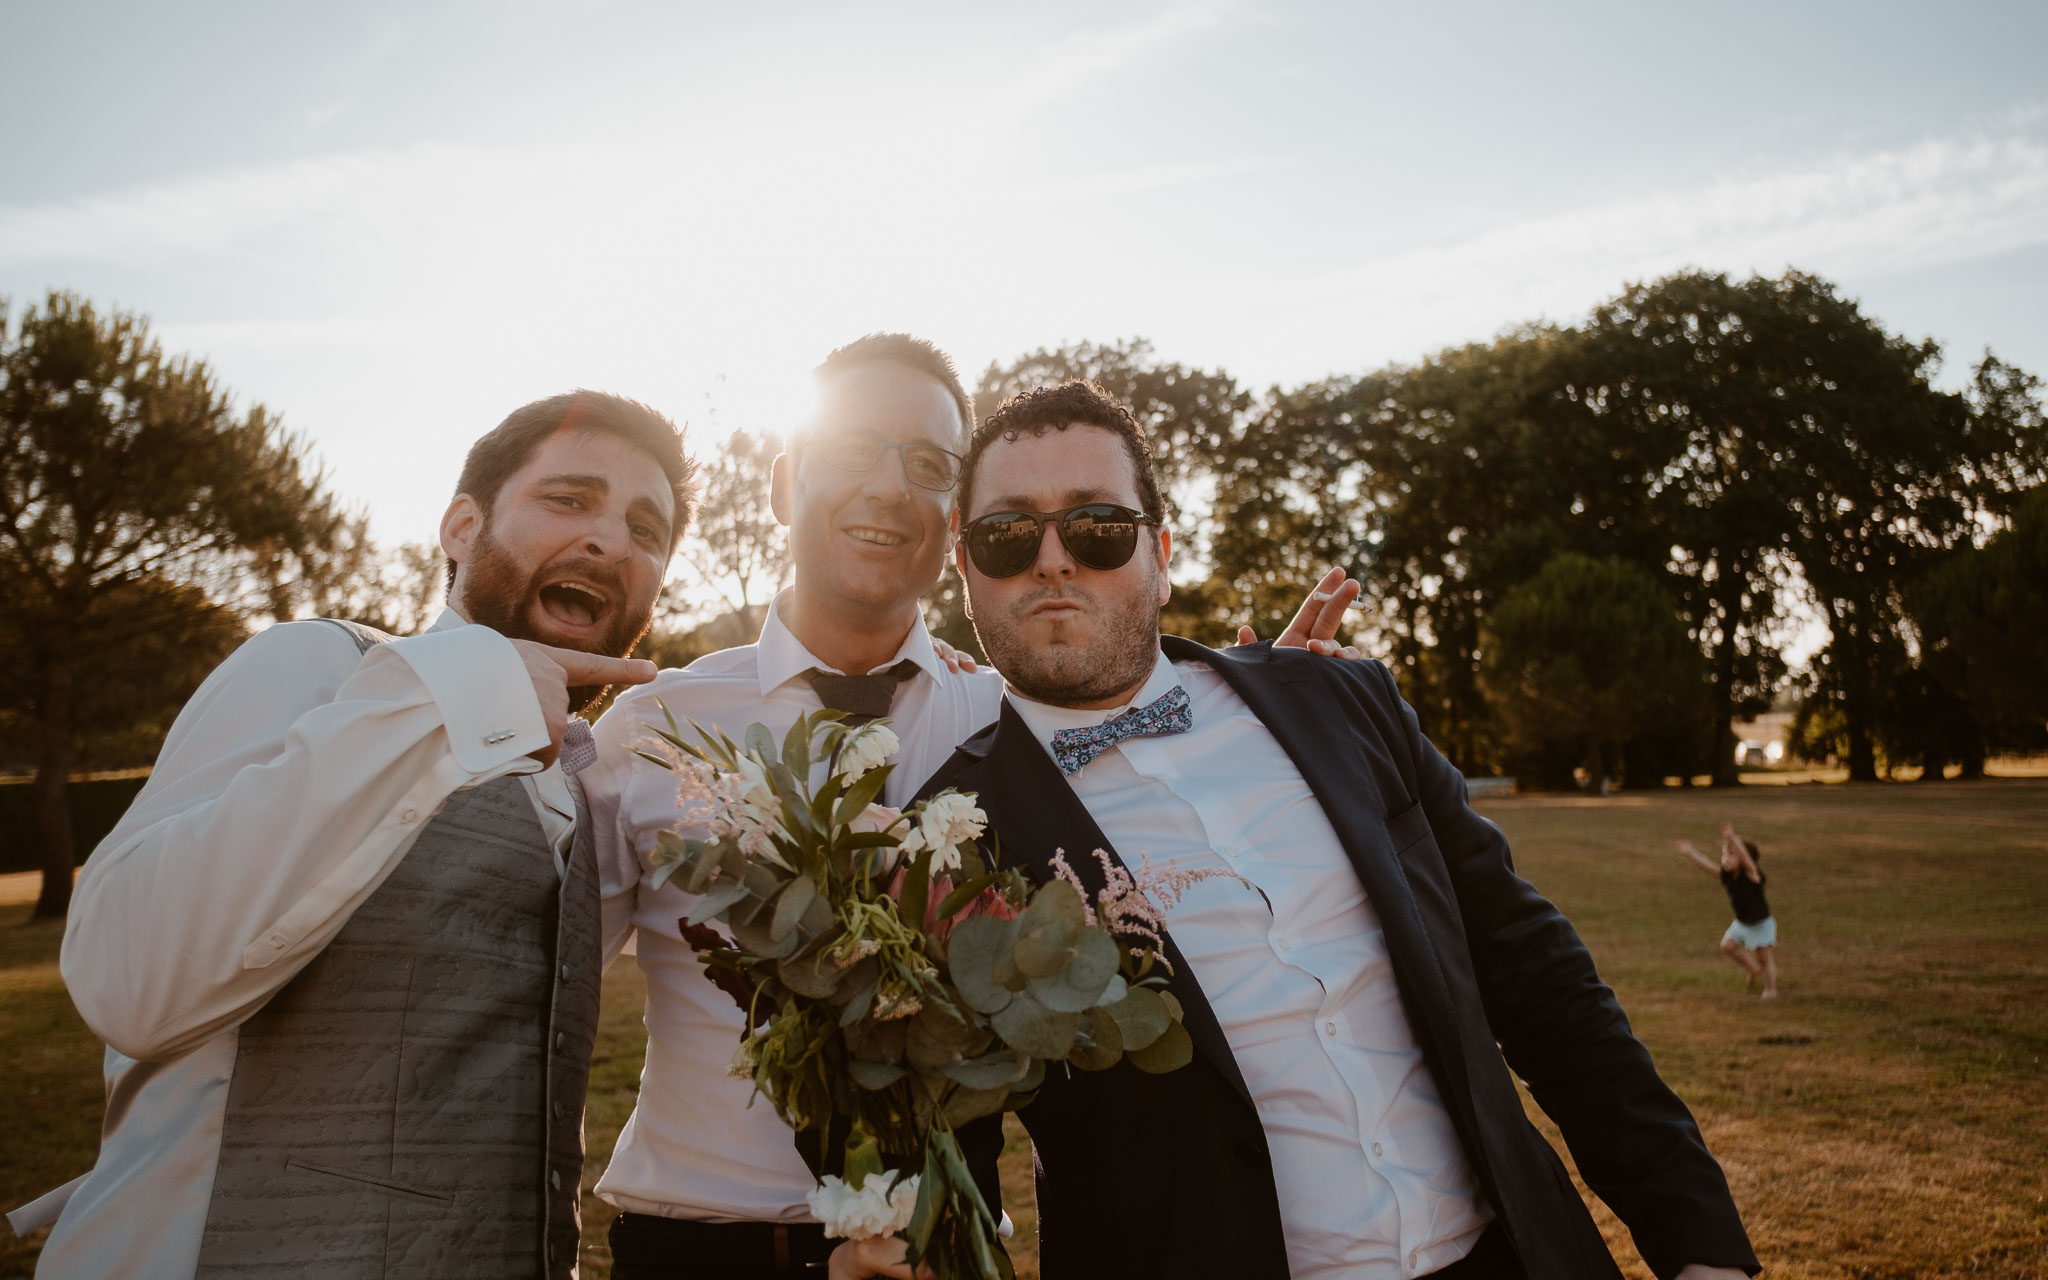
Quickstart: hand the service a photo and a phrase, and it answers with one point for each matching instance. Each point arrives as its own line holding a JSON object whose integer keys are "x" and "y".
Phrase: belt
{"x": 652, "y": 1241}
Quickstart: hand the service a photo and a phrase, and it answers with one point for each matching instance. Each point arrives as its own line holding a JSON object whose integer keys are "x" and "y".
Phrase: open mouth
{"x": 575, "y": 605}
{"x": 877, "y": 537}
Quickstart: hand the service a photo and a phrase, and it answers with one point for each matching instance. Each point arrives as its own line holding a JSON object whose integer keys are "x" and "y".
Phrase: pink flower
{"x": 876, "y": 818}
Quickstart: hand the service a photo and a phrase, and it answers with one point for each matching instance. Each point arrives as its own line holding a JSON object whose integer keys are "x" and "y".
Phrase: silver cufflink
{"x": 502, "y": 735}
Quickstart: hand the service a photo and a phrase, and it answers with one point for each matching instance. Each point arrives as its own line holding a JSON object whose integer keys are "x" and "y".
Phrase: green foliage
{"x": 899, "y": 978}
{"x": 136, "y": 508}
{"x": 1585, "y": 653}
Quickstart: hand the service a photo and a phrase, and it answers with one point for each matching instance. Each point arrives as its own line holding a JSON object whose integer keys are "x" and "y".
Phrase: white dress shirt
{"x": 289, "y": 787}
{"x": 1373, "y": 1183}
{"x": 693, "y": 1147}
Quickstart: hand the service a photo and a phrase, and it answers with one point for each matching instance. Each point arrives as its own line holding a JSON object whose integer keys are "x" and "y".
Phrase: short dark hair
{"x": 505, "y": 448}
{"x": 912, "y": 353}
{"x": 1044, "y": 409}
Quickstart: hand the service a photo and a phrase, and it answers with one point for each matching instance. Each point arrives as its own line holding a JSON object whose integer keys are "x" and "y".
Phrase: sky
{"x": 393, "y": 223}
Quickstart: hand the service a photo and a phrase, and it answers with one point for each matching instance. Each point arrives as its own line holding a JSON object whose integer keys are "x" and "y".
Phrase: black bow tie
{"x": 862, "y": 698}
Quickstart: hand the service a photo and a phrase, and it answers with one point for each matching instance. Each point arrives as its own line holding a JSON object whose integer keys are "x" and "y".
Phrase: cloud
{"x": 1935, "y": 202}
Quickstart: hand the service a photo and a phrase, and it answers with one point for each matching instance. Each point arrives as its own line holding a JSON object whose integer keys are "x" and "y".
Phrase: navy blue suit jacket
{"x": 1170, "y": 1175}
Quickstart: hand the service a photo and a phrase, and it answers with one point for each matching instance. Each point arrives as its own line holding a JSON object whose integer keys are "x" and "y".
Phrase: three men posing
{"x": 1460, "y": 952}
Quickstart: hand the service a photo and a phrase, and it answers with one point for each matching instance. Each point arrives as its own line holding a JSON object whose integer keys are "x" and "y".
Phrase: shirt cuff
{"x": 480, "y": 683}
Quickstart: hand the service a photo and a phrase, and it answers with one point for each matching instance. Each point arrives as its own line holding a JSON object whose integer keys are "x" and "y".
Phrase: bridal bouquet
{"x": 897, "y": 985}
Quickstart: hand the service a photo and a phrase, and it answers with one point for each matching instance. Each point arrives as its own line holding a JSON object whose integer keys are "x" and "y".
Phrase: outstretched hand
{"x": 554, "y": 671}
{"x": 1315, "y": 624}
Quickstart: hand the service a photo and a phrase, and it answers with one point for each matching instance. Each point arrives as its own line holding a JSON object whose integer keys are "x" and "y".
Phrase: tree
{"x": 1584, "y": 655}
{"x": 127, "y": 485}
{"x": 736, "y": 546}
{"x": 1193, "y": 418}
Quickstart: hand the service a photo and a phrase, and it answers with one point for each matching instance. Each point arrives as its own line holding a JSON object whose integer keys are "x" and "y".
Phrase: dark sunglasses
{"x": 1099, "y": 535}
{"x": 925, "y": 465}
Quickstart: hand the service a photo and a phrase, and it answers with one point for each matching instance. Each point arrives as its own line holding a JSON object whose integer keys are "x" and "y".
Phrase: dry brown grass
{"x": 1886, "y": 1119}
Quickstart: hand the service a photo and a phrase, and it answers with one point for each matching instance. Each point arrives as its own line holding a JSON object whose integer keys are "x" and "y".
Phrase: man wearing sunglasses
{"x": 1359, "y": 972}
{"x": 712, "y": 1188}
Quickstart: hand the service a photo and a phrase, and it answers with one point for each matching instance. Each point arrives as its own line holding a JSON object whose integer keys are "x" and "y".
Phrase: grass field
{"x": 1887, "y": 1118}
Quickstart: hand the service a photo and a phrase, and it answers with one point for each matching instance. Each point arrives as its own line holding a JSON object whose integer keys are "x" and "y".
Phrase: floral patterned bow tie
{"x": 1072, "y": 749}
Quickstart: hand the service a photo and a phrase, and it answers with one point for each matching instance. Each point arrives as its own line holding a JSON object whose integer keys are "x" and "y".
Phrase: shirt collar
{"x": 780, "y": 657}
{"x": 1044, "y": 719}
{"x": 448, "y": 621}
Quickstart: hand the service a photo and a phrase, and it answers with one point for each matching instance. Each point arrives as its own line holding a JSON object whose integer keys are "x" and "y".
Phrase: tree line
{"x": 1579, "y": 543}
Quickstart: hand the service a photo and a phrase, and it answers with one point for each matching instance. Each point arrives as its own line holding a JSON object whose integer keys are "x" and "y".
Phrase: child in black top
{"x": 1751, "y": 941}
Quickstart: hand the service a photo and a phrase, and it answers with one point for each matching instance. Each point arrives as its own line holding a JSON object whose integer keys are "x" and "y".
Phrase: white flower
{"x": 882, "y": 1206}
{"x": 949, "y": 820}
{"x": 866, "y": 748}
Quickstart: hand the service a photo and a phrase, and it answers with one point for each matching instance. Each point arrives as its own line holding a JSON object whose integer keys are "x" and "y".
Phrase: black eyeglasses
{"x": 1099, "y": 535}
{"x": 925, "y": 465}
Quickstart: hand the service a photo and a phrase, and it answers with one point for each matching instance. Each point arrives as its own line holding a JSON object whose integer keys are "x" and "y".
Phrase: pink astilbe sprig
{"x": 1135, "y": 906}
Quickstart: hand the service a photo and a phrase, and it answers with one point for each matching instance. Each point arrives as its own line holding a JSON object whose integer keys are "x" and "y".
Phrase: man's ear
{"x": 959, "y": 550}
{"x": 461, "y": 525}
{"x": 781, "y": 478}
{"x": 1165, "y": 558}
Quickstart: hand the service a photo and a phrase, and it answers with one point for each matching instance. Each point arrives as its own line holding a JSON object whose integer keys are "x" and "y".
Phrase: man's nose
{"x": 1053, "y": 559}
{"x": 887, "y": 480}
{"x": 607, "y": 538}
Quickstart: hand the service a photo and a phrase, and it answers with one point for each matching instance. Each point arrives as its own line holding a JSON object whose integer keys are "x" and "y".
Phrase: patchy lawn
{"x": 1883, "y": 1119}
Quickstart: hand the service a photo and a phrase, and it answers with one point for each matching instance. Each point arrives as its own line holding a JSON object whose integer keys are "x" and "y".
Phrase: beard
{"x": 504, "y": 595}
{"x": 1115, "y": 659}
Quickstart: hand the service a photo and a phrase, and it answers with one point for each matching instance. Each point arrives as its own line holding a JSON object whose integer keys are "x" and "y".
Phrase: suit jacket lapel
{"x": 1296, "y": 709}
{"x": 1035, "y": 814}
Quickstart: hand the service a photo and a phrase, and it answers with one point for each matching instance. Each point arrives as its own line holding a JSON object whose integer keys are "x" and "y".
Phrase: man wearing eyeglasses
{"x": 711, "y": 1188}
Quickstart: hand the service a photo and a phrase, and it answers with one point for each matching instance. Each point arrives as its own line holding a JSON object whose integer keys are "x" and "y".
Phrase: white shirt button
{"x": 1330, "y": 1028}
{"x": 1285, "y": 944}
{"x": 409, "y": 817}
{"x": 1376, "y": 1150}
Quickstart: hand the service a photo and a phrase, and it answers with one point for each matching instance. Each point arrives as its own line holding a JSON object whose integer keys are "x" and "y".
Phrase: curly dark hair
{"x": 1077, "y": 403}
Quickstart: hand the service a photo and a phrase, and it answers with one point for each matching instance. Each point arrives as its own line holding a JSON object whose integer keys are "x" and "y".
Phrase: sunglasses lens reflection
{"x": 1098, "y": 536}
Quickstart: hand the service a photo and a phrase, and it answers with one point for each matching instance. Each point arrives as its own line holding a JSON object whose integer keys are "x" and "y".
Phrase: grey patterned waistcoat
{"x": 411, "y": 1104}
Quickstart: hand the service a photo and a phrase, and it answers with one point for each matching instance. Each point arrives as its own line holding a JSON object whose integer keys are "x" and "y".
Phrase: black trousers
{"x": 646, "y": 1247}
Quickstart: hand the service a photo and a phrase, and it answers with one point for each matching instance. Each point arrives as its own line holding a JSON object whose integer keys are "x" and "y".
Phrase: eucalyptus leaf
{"x": 1114, "y": 991}
{"x": 1173, "y": 1005}
{"x": 751, "y": 933}
{"x": 760, "y": 742}
{"x": 717, "y": 899}
{"x": 857, "y": 1008}
{"x": 1169, "y": 1052}
{"x": 810, "y": 974}
{"x": 874, "y": 1075}
{"x": 965, "y": 1104}
{"x": 934, "y": 1037}
{"x": 971, "y": 953}
{"x": 791, "y": 904}
{"x": 1001, "y": 1069}
{"x": 1141, "y": 1016}
{"x": 1047, "y": 930}
{"x": 1084, "y": 980}
{"x": 1100, "y": 1043}
{"x": 1026, "y": 1024}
